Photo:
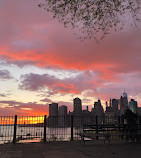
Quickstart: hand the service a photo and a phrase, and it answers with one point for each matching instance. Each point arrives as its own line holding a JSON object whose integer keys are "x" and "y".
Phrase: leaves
{"x": 94, "y": 18}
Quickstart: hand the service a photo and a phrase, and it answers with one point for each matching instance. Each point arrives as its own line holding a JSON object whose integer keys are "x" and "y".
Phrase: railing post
{"x": 140, "y": 122}
{"x": 15, "y": 129}
{"x": 45, "y": 120}
{"x": 139, "y": 128}
{"x": 119, "y": 126}
{"x": 97, "y": 127}
{"x": 71, "y": 127}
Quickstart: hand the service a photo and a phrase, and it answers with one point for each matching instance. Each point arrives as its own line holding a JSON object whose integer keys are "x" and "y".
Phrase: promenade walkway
{"x": 70, "y": 150}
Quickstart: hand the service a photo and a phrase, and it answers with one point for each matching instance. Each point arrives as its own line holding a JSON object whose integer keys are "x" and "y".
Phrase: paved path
{"x": 70, "y": 150}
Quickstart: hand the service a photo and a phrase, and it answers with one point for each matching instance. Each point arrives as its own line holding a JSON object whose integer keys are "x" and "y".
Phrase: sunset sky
{"x": 43, "y": 62}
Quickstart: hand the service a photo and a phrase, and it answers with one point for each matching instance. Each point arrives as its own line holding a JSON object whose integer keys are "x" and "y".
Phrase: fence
{"x": 19, "y": 129}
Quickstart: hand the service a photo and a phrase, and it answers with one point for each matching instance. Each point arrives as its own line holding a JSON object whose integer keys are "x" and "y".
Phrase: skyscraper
{"x": 123, "y": 103}
{"x": 98, "y": 108}
{"x": 98, "y": 111}
{"x": 106, "y": 104}
{"x": 53, "y": 115}
{"x": 63, "y": 119}
{"x": 125, "y": 99}
{"x": 77, "y": 112}
{"x": 77, "y": 106}
{"x": 53, "y": 109}
{"x": 110, "y": 115}
{"x": 63, "y": 110}
{"x": 86, "y": 117}
{"x": 133, "y": 105}
{"x": 124, "y": 94}
{"x": 110, "y": 102}
{"x": 115, "y": 106}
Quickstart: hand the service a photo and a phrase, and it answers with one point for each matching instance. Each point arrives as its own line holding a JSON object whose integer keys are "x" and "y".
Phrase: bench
{"x": 105, "y": 136}
{"x": 105, "y": 132}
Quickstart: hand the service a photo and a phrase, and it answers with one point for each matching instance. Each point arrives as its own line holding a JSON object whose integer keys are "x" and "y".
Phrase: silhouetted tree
{"x": 93, "y": 17}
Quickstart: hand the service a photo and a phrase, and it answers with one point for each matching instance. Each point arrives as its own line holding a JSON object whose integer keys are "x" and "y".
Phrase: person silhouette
{"x": 130, "y": 120}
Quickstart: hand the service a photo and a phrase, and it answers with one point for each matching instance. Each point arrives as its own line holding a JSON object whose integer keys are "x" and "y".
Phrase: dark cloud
{"x": 76, "y": 85}
{"x": 46, "y": 100}
{"x": 46, "y": 93}
{"x": 85, "y": 100}
{"x": 36, "y": 82}
{"x": 3, "y": 95}
{"x": 86, "y": 83}
{"x": 5, "y": 74}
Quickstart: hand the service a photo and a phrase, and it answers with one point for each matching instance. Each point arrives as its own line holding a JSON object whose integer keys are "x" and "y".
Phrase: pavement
{"x": 70, "y": 149}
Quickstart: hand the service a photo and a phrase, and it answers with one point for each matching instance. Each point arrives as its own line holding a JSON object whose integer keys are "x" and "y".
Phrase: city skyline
{"x": 59, "y": 116}
{"x": 43, "y": 62}
{"x": 118, "y": 106}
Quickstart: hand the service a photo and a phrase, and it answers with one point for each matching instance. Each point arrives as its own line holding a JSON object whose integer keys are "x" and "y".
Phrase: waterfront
{"x": 36, "y": 134}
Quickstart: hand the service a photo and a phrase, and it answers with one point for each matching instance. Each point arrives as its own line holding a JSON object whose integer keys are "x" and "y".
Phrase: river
{"x": 36, "y": 134}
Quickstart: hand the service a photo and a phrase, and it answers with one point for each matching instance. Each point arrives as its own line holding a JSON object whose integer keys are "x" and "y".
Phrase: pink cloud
{"x": 30, "y": 37}
{"x": 33, "y": 39}
{"x": 35, "y": 82}
{"x": 20, "y": 108}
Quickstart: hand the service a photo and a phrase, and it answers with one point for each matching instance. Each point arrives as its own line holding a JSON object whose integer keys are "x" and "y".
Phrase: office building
{"x": 52, "y": 120}
{"x": 53, "y": 109}
{"x": 98, "y": 111}
{"x": 63, "y": 119}
{"x": 115, "y": 106}
{"x": 133, "y": 105}
{"x": 63, "y": 110}
{"x": 123, "y": 103}
{"x": 77, "y": 106}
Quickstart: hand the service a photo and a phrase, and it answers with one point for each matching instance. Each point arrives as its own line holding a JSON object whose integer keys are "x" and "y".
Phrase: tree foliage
{"x": 94, "y": 18}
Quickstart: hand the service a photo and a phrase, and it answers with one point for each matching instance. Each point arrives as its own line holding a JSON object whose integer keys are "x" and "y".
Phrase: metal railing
{"x": 6, "y": 129}
{"x": 18, "y": 129}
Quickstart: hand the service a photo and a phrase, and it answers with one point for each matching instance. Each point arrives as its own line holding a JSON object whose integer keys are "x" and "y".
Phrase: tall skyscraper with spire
{"x": 123, "y": 103}
{"x": 125, "y": 99}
